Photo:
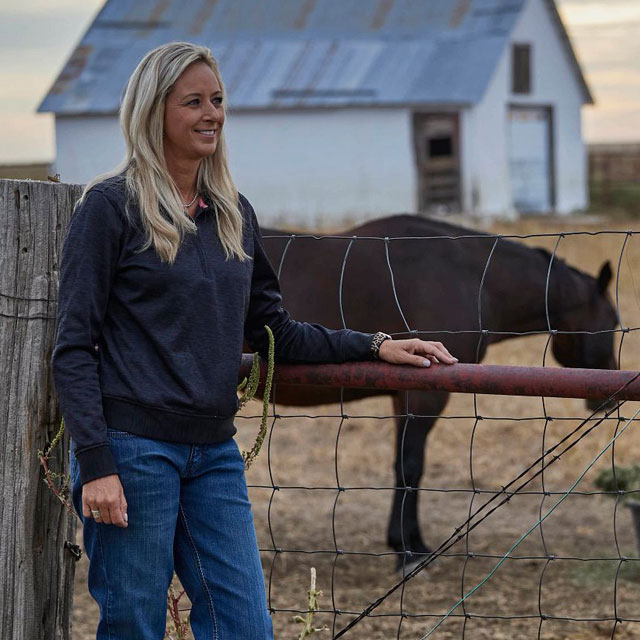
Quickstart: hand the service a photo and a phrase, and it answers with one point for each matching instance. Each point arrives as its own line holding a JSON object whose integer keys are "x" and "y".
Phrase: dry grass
{"x": 302, "y": 454}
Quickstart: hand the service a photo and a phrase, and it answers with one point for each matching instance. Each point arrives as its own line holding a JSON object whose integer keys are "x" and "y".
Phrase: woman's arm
{"x": 294, "y": 341}
{"x": 87, "y": 270}
{"x": 305, "y": 342}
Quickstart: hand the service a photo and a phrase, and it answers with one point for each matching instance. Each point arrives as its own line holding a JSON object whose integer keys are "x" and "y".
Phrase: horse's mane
{"x": 420, "y": 226}
{"x": 562, "y": 263}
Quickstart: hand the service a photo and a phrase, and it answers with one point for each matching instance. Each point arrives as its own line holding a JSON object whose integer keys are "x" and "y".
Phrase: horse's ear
{"x": 604, "y": 277}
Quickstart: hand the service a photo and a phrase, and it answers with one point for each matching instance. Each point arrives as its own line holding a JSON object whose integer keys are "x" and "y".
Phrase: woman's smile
{"x": 209, "y": 133}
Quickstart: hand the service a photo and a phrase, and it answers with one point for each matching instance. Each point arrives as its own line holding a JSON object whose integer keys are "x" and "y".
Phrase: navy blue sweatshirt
{"x": 154, "y": 349}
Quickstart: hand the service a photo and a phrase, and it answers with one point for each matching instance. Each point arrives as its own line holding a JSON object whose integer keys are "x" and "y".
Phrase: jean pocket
{"x": 116, "y": 433}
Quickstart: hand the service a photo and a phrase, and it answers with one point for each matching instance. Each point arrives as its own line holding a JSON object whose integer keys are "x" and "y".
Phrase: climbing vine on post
{"x": 50, "y": 477}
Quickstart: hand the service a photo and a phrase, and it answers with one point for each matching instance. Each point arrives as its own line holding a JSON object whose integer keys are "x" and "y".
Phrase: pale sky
{"x": 37, "y": 37}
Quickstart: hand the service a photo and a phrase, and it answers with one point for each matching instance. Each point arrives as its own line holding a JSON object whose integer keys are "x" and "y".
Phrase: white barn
{"x": 351, "y": 109}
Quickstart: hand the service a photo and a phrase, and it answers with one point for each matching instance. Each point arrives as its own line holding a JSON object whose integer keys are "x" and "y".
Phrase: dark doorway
{"x": 437, "y": 148}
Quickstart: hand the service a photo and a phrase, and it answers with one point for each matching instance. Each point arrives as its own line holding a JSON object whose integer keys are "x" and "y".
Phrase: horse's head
{"x": 593, "y": 321}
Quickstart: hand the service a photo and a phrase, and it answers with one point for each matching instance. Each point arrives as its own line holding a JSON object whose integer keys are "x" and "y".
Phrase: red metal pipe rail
{"x": 597, "y": 384}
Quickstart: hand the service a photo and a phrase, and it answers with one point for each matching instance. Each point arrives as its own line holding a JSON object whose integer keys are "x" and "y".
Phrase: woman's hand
{"x": 106, "y": 496}
{"x": 419, "y": 353}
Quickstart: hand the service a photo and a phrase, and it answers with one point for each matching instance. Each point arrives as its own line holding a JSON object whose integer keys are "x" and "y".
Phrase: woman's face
{"x": 193, "y": 115}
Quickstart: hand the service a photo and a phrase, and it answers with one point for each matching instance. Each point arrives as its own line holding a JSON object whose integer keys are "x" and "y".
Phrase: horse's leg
{"x": 411, "y": 435}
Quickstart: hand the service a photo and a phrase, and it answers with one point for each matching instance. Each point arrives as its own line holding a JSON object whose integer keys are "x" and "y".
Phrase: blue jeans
{"x": 188, "y": 510}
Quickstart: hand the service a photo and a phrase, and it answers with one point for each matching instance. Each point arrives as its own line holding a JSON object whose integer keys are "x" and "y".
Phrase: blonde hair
{"x": 147, "y": 176}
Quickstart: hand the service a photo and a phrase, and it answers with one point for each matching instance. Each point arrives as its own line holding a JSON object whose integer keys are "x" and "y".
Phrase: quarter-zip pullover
{"x": 154, "y": 349}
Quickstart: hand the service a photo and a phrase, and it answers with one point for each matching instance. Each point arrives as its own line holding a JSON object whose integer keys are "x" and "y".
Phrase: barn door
{"x": 437, "y": 147}
{"x": 531, "y": 159}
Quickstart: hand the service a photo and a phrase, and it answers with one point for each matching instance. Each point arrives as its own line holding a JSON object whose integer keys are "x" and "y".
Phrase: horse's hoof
{"x": 406, "y": 564}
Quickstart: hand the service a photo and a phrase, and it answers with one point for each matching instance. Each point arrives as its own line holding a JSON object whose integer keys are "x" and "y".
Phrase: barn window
{"x": 521, "y": 68}
{"x": 440, "y": 147}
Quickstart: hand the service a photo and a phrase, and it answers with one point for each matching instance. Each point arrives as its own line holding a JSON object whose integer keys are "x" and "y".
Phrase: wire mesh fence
{"x": 497, "y": 468}
{"x": 327, "y": 495}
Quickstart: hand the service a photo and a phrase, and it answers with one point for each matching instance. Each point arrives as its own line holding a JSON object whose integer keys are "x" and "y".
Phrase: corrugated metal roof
{"x": 298, "y": 53}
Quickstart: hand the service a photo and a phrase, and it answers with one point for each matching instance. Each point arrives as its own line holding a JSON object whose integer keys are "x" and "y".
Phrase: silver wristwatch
{"x": 377, "y": 340}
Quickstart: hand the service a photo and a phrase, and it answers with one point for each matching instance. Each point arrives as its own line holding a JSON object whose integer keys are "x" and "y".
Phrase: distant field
{"x": 622, "y": 198}
{"x": 301, "y": 453}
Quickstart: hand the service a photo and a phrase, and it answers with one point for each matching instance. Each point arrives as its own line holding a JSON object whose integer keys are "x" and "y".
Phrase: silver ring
{"x": 95, "y": 514}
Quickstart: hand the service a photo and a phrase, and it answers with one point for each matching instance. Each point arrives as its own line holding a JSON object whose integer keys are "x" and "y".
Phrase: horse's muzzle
{"x": 601, "y": 405}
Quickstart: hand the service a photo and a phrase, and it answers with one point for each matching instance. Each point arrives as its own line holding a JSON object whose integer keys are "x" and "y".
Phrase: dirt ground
{"x": 586, "y": 581}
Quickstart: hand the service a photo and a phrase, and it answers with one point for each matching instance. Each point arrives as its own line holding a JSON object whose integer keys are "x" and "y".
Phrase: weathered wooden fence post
{"x": 36, "y": 571}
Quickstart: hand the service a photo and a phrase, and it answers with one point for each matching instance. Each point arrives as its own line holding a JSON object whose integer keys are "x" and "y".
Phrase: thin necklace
{"x": 187, "y": 205}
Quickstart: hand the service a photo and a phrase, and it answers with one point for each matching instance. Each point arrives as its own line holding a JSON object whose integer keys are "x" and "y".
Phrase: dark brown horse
{"x": 434, "y": 278}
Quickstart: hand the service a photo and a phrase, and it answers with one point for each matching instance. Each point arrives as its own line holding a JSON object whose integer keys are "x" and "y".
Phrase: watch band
{"x": 376, "y": 341}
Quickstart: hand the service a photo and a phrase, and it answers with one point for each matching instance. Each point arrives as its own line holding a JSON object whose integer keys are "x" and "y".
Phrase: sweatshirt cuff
{"x": 357, "y": 346}
{"x": 96, "y": 462}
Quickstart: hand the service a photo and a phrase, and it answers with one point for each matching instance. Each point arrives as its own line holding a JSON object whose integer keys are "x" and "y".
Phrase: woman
{"x": 162, "y": 275}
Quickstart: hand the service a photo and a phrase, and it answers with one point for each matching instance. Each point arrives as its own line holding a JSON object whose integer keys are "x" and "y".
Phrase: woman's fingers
{"x": 118, "y": 511}
{"x": 123, "y": 509}
{"x": 115, "y": 515}
{"x": 105, "y": 515}
{"x": 420, "y": 353}
{"x": 418, "y": 361}
{"x": 103, "y": 500}
{"x": 437, "y": 352}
